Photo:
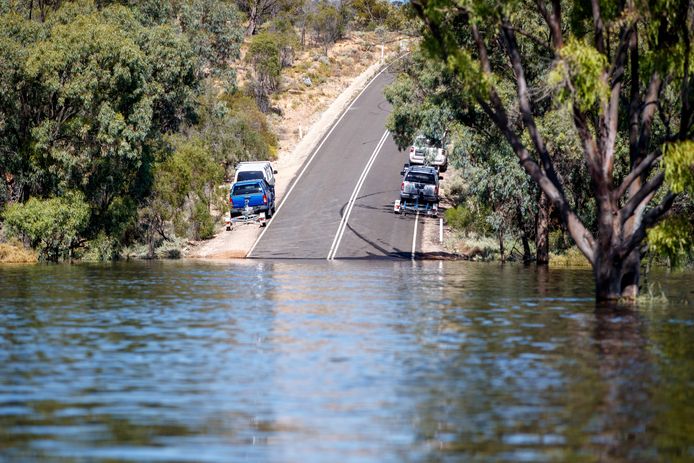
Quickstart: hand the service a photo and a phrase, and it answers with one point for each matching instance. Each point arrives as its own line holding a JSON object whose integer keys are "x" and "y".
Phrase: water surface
{"x": 338, "y": 362}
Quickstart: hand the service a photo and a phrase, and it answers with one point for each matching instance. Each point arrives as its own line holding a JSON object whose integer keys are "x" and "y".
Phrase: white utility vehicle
{"x": 428, "y": 152}
{"x": 256, "y": 170}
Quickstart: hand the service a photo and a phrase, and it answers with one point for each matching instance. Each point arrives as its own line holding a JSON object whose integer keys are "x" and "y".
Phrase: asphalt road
{"x": 341, "y": 204}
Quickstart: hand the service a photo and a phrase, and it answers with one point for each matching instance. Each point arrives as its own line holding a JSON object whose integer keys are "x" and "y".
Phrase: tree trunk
{"x": 631, "y": 275}
{"x": 616, "y": 275}
{"x": 501, "y": 246}
{"x": 542, "y": 230}
{"x": 608, "y": 276}
{"x": 527, "y": 257}
{"x": 252, "y": 19}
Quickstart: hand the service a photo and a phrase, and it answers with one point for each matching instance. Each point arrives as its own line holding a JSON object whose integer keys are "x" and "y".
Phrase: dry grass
{"x": 15, "y": 253}
{"x": 300, "y": 105}
{"x": 573, "y": 257}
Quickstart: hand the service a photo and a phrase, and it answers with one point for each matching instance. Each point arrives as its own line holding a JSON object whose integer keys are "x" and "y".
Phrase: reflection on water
{"x": 342, "y": 361}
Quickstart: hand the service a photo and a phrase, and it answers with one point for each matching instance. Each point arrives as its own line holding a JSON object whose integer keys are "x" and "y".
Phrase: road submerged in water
{"x": 349, "y": 361}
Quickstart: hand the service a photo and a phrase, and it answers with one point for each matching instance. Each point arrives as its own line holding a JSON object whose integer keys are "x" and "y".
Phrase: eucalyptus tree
{"x": 89, "y": 95}
{"x": 265, "y": 59}
{"x": 622, "y": 70}
{"x": 214, "y": 30}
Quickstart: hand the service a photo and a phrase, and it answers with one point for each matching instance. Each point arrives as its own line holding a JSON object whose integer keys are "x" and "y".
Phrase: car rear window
{"x": 420, "y": 177}
{"x": 249, "y": 175}
{"x": 246, "y": 189}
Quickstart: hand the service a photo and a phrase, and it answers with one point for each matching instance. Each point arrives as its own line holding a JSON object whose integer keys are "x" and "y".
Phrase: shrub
{"x": 51, "y": 226}
{"x": 101, "y": 249}
{"x": 203, "y": 224}
{"x": 468, "y": 219}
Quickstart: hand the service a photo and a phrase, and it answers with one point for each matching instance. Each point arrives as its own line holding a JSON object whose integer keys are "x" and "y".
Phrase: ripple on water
{"x": 342, "y": 361}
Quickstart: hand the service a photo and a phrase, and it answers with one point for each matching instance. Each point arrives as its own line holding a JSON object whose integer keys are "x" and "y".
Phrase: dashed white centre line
{"x": 353, "y": 198}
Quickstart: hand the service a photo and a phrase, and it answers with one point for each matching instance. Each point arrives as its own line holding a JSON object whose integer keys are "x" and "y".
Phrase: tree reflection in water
{"x": 626, "y": 369}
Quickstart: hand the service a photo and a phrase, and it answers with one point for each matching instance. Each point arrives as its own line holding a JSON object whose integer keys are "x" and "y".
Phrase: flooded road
{"x": 338, "y": 362}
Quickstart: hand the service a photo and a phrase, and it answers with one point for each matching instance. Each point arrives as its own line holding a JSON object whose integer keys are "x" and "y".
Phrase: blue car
{"x": 251, "y": 197}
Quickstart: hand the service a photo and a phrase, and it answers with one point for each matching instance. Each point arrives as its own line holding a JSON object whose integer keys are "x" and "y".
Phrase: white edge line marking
{"x": 414, "y": 236}
{"x": 353, "y": 198}
{"x": 315, "y": 152}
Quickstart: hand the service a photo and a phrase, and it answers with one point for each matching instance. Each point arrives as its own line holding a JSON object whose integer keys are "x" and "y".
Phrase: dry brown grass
{"x": 15, "y": 253}
{"x": 572, "y": 257}
{"x": 300, "y": 104}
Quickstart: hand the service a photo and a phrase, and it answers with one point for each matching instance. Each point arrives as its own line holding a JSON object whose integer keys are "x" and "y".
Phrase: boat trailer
{"x": 409, "y": 206}
{"x": 246, "y": 217}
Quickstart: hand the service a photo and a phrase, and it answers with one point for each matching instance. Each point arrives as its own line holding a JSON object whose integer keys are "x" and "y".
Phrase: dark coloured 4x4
{"x": 420, "y": 183}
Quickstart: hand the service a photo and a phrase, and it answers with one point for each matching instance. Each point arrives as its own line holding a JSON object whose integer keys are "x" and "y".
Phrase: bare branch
{"x": 635, "y": 98}
{"x": 553, "y": 21}
{"x": 537, "y": 41}
{"x": 481, "y": 49}
{"x": 526, "y": 108}
{"x": 685, "y": 113}
{"x": 636, "y": 172}
{"x": 599, "y": 27}
{"x": 650, "y": 104}
{"x": 608, "y": 127}
{"x": 590, "y": 148}
{"x": 583, "y": 238}
{"x": 653, "y": 216}
{"x": 642, "y": 195}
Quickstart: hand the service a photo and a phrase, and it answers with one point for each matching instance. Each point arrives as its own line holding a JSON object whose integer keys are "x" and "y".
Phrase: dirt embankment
{"x": 317, "y": 90}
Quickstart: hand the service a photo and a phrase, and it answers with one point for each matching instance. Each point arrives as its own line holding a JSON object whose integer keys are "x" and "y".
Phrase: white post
{"x": 301, "y": 132}
{"x": 441, "y": 230}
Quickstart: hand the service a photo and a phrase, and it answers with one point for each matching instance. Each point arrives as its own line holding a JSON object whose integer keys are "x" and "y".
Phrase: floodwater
{"x": 371, "y": 361}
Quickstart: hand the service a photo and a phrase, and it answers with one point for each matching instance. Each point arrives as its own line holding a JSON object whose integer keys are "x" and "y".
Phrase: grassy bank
{"x": 16, "y": 253}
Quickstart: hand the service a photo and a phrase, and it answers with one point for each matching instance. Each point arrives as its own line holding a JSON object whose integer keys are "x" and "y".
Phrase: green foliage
{"x": 202, "y": 222}
{"x": 468, "y": 219}
{"x": 264, "y": 57}
{"x": 672, "y": 239}
{"x": 214, "y": 30}
{"x": 571, "y": 257}
{"x": 580, "y": 74}
{"x": 185, "y": 188}
{"x": 283, "y": 34}
{"x": 369, "y": 14}
{"x": 102, "y": 248}
{"x": 427, "y": 98}
{"x": 88, "y": 91}
{"x": 234, "y": 129}
{"x": 328, "y": 24}
{"x": 679, "y": 166}
{"x": 93, "y": 93}
{"x": 51, "y": 226}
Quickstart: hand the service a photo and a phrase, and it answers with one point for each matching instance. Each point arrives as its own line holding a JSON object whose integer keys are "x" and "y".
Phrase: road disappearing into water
{"x": 340, "y": 206}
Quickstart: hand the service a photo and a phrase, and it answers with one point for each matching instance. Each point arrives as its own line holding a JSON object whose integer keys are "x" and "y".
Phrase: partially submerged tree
{"x": 623, "y": 69}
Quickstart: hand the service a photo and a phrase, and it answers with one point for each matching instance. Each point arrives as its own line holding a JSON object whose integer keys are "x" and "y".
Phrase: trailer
{"x": 414, "y": 206}
{"x": 246, "y": 218}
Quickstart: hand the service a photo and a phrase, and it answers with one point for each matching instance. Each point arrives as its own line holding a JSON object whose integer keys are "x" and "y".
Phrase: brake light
{"x": 264, "y": 199}
{"x": 411, "y": 149}
{"x": 402, "y": 186}
{"x": 231, "y": 201}
{"x": 436, "y": 191}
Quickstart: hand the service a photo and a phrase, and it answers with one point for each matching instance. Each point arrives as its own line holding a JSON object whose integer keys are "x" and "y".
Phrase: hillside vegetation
{"x": 119, "y": 119}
